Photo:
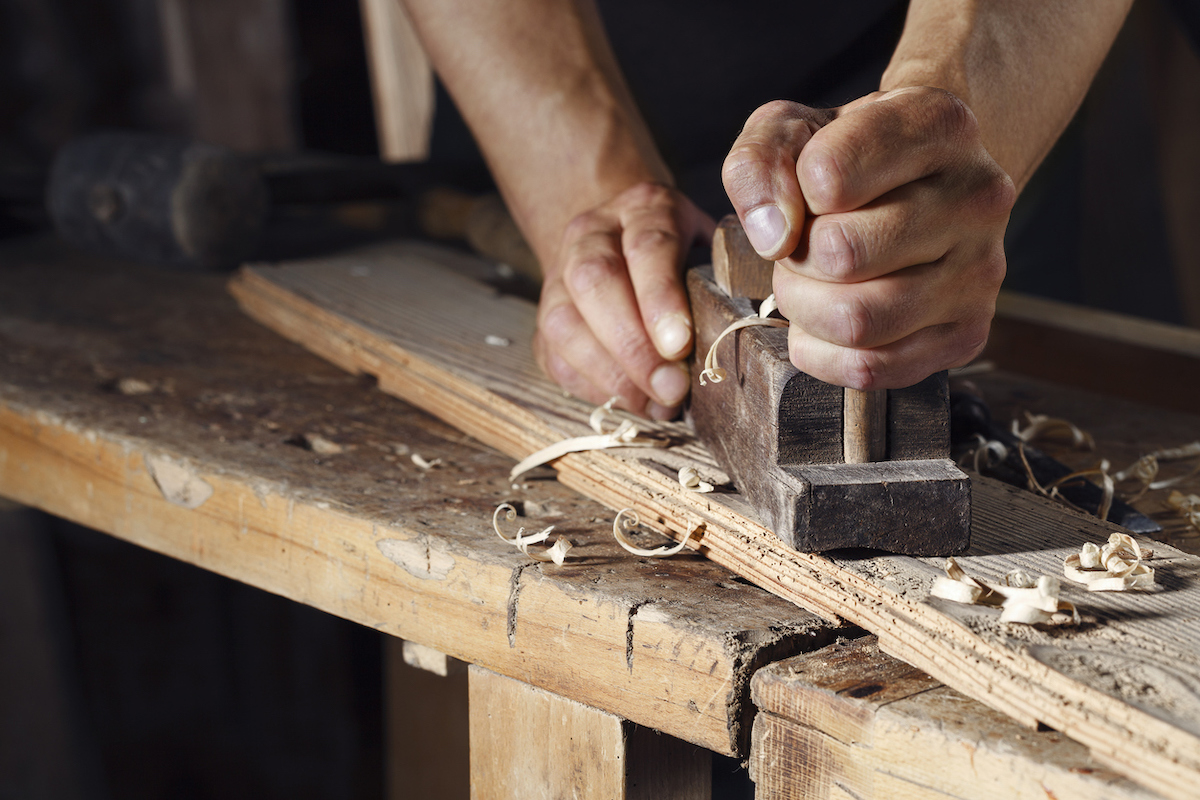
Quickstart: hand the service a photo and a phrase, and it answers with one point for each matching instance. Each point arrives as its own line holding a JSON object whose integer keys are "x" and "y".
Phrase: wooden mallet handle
{"x": 740, "y": 271}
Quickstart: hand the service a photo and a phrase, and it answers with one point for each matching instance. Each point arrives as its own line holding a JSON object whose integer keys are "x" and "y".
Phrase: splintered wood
{"x": 1123, "y": 682}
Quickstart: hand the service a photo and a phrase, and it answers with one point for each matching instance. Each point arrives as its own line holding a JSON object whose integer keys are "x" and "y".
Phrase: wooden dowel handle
{"x": 864, "y": 426}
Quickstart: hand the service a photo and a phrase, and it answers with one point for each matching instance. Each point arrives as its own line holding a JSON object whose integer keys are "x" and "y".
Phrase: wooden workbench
{"x": 143, "y": 404}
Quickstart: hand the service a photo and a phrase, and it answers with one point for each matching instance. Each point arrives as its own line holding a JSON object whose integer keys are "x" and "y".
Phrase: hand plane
{"x": 824, "y": 467}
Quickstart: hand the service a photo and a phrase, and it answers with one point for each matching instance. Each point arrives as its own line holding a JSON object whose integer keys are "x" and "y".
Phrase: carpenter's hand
{"x": 886, "y": 218}
{"x": 613, "y": 317}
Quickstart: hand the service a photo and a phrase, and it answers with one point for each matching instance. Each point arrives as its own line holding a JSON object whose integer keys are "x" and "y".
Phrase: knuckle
{"x": 997, "y": 194}
{"x": 650, "y": 240}
{"x": 863, "y": 370}
{"x": 585, "y": 275}
{"x": 854, "y": 323}
{"x": 557, "y": 325}
{"x": 745, "y": 169}
{"x": 581, "y": 225}
{"x": 646, "y": 194}
{"x": 825, "y": 173}
{"x": 836, "y": 249}
{"x": 951, "y": 113}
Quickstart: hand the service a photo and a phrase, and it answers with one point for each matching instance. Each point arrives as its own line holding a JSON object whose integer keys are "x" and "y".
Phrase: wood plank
{"x": 528, "y": 744}
{"x": 144, "y": 404}
{"x": 1116, "y": 354}
{"x": 1124, "y": 683}
{"x": 849, "y": 719}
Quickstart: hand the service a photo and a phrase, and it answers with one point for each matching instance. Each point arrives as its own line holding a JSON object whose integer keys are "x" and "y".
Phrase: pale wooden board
{"x": 362, "y": 533}
{"x": 1124, "y": 683}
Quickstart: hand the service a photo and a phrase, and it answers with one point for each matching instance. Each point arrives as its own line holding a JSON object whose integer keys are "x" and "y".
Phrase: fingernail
{"x": 766, "y": 229}
{"x": 671, "y": 383}
{"x": 672, "y": 333}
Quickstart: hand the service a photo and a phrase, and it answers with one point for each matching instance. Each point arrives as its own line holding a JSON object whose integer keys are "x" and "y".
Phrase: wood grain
{"x": 1124, "y": 683}
{"x": 213, "y": 464}
{"x": 527, "y": 744}
{"x": 844, "y": 721}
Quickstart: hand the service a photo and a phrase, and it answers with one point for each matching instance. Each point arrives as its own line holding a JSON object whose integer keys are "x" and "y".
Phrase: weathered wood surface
{"x": 528, "y": 744}
{"x": 850, "y": 721}
{"x": 1124, "y": 683}
{"x": 144, "y": 404}
{"x": 779, "y": 433}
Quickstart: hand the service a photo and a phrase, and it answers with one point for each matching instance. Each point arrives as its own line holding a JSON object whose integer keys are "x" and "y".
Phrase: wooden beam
{"x": 528, "y": 744}
{"x": 225, "y": 446}
{"x": 851, "y": 721}
{"x": 420, "y": 330}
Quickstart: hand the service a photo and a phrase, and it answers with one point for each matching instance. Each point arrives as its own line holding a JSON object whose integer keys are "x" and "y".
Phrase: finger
{"x": 598, "y": 281}
{"x": 917, "y": 223}
{"x": 654, "y": 239}
{"x": 874, "y": 147}
{"x": 878, "y": 312}
{"x": 760, "y": 175}
{"x": 570, "y": 354}
{"x": 894, "y": 366}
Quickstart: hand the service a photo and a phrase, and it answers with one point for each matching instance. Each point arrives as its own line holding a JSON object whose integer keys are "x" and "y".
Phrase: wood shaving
{"x": 1041, "y": 426}
{"x": 420, "y": 461}
{"x": 625, "y": 434}
{"x": 320, "y": 445}
{"x": 627, "y": 520}
{"x": 134, "y": 386}
{"x": 556, "y": 552}
{"x": 768, "y": 306}
{"x": 1021, "y": 598}
{"x": 1187, "y": 506}
{"x": 689, "y": 478}
{"x": 714, "y": 373}
{"x": 1115, "y": 567}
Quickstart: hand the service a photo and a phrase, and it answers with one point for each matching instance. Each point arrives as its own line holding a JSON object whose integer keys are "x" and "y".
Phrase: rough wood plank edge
{"x": 1131, "y": 740}
{"x": 850, "y": 716}
{"x": 300, "y": 547}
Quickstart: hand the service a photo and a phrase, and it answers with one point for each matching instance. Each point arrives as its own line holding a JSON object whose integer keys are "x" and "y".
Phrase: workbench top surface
{"x": 143, "y": 403}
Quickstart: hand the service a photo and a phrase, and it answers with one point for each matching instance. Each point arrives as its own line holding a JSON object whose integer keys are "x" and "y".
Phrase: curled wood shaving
{"x": 625, "y": 434}
{"x": 556, "y": 552}
{"x": 1021, "y": 597}
{"x": 1041, "y": 426}
{"x": 1115, "y": 567}
{"x": 768, "y": 306}
{"x": 987, "y": 453}
{"x": 714, "y": 373}
{"x": 689, "y": 478}
{"x": 627, "y": 519}
{"x": 1187, "y": 506}
{"x": 423, "y": 463}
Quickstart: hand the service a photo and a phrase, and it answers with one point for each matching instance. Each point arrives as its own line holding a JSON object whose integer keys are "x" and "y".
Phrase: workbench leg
{"x": 425, "y": 736}
{"x": 527, "y": 743}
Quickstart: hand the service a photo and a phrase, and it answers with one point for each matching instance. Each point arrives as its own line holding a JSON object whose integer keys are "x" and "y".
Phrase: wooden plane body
{"x": 778, "y": 433}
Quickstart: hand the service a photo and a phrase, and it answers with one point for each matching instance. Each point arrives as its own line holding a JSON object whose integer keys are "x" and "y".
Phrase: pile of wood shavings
{"x": 1140, "y": 477}
{"x": 1021, "y": 597}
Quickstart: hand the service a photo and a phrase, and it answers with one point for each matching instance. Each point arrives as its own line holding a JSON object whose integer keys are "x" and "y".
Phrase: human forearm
{"x": 1022, "y": 66}
{"x": 537, "y": 83}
